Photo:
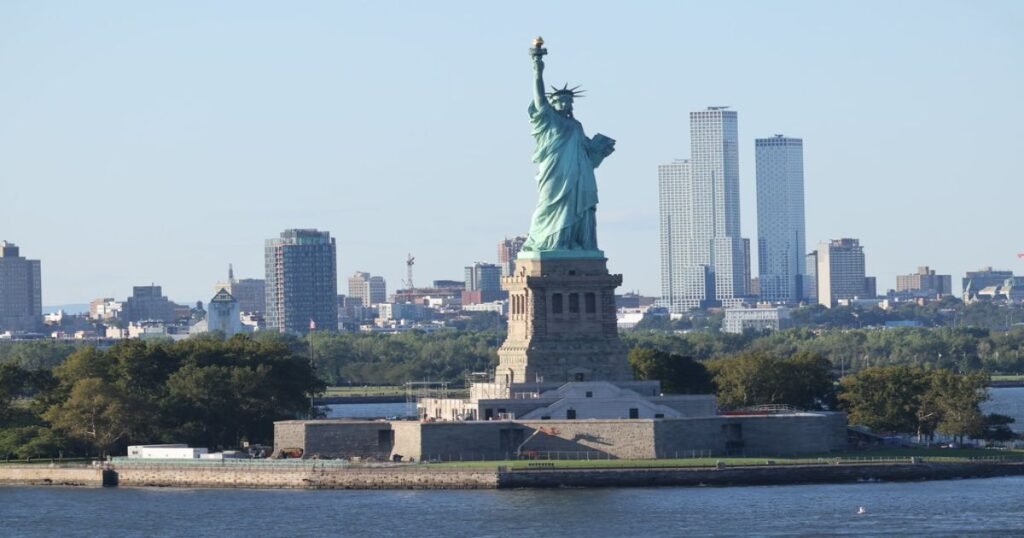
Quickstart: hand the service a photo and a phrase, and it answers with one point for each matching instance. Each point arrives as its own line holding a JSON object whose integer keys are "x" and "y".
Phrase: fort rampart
{"x": 313, "y": 476}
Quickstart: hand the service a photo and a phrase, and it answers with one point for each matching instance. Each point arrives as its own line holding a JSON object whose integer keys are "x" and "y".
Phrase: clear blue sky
{"x": 144, "y": 142}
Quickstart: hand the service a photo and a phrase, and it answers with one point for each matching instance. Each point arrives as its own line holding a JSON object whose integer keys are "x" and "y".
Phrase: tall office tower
{"x": 369, "y": 289}
{"x": 302, "y": 281}
{"x": 21, "y": 295}
{"x": 809, "y": 282}
{"x": 702, "y": 253}
{"x": 685, "y": 260}
{"x": 780, "y": 218}
{"x": 714, "y": 156}
{"x": 507, "y": 252}
{"x": 870, "y": 287}
{"x": 483, "y": 283}
{"x": 747, "y": 277}
{"x": 840, "y": 271}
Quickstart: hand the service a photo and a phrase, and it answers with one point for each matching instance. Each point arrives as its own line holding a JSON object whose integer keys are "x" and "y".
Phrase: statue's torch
{"x": 538, "y": 51}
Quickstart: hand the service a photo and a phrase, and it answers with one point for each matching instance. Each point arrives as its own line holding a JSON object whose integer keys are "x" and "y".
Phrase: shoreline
{"x": 314, "y": 476}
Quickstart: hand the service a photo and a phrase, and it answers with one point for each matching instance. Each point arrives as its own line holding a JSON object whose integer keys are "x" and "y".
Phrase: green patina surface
{"x": 564, "y": 221}
{"x": 562, "y": 255}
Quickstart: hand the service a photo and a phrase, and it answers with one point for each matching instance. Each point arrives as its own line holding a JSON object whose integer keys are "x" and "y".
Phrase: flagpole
{"x": 312, "y": 376}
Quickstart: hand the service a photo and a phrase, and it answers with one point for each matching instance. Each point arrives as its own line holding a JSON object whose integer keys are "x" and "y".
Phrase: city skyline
{"x": 185, "y": 150}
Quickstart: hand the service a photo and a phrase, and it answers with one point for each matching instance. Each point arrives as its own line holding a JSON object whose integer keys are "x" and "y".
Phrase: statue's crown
{"x": 575, "y": 92}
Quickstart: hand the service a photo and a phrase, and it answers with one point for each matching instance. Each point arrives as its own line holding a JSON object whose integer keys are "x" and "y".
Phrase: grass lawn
{"x": 47, "y": 461}
{"x": 1014, "y": 377}
{"x": 865, "y": 456}
{"x": 368, "y": 390}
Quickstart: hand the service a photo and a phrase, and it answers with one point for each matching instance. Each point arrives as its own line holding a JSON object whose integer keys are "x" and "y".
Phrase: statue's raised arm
{"x": 537, "y": 53}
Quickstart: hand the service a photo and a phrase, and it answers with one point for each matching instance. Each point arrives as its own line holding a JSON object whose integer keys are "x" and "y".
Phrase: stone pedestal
{"x": 561, "y": 323}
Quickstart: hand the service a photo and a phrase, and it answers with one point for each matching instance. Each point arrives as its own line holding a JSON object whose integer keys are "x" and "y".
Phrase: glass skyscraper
{"x": 781, "y": 234}
{"x": 302, "y": 282}
{"x": 703, "y": 258}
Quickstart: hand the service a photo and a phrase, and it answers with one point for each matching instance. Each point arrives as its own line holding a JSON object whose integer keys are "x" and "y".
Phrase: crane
{"x": 410, "y": 260}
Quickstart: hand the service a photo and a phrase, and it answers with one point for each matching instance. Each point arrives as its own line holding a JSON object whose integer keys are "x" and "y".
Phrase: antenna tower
{"x": 409, "y": 262}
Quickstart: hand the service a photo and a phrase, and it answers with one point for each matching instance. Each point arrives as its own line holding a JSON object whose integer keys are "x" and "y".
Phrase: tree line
{"x": 203, "y": 391}
{"x": 389, "y": 359}
{"x": 888, "y": 399}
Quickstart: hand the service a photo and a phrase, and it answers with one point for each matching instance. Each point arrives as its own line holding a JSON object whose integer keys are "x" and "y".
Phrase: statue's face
{"x": 562, "y": 103}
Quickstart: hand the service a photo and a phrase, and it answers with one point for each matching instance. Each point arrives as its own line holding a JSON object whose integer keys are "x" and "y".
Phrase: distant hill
{"x": 67, "y": 308}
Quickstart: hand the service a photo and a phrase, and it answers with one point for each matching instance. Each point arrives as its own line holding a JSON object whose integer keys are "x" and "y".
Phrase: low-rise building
{"x": 924, "y": 283}
{"x": 400, "y": 311}
{"x": 976, "y": 281}
{"x": 148, "y": 303}
{"x": 738, "y": 320}
{"x": 175, "y": 451}
{"x": 498, "y": 307}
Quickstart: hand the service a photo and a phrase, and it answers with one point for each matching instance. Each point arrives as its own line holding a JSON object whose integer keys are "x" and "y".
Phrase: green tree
{"x": 757, "y": 378}
{"x": 997, "y": 428}
{"x": 958, "y": 398}
{"x": 910, "y": 399}
{"x": 96, "y": 412}
{"x": 678, "y": 374}
{"x": 26, "y": 442}
{"x": 887, "y": 399}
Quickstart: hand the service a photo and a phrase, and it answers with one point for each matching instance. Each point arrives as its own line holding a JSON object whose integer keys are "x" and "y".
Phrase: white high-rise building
{"x": 684, "y": 261}
{"x": 781, "y": 234}
{"x": 703, "y": 257}
{"x": 840, "y": 271}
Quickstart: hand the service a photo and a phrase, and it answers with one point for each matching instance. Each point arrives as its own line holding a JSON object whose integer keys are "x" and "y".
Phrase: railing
{"x": 231, "y": 462}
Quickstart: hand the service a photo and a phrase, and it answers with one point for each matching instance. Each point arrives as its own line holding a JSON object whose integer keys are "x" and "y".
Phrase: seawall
{"x": 754, "y": 476}
{"x": 45, "y": 475}
{"x": 305, "y": 477}
{"x": 419, "y": 477}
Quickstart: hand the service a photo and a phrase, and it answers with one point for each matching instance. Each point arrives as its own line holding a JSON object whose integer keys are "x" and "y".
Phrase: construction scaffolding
{"x": 417, "y": 390}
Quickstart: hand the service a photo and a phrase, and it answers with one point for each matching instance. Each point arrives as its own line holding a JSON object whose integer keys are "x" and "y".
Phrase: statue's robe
{"x": 566, "y": 187}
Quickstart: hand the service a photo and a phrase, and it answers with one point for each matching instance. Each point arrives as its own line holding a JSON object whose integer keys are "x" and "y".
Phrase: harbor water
{"x": 988, "y": 507}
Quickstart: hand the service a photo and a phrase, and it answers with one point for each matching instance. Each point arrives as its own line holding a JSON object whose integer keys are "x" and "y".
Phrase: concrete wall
{"x": 752, "y": 476}
{"x": 44, "y": 475}
{"x": 754, "y": 435}
{"x": 794, "y": 434}
{"x": 469, "y": 440}
{"x": 626, "y": 439}
{"x": 690, "y": 405}
{"x": 497, "y": 440}
{"x": 289, "y": 434}
{"x": 357, "y": 439}
{"x": 318, "y": 477}
{"x": 310, "y": 477}
{"x": 408, "y": 443}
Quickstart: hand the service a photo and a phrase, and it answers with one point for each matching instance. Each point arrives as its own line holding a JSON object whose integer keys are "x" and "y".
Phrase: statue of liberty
{"x": 565, "y": 218}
